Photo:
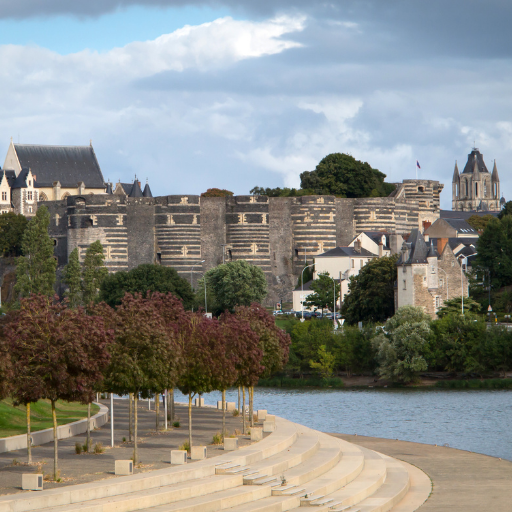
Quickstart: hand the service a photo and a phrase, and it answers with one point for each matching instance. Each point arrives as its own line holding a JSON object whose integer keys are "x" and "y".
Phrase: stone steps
{"x": 294, "y": 468}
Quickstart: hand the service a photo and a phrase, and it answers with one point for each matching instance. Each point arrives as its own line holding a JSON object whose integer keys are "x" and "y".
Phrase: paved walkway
{"x": 154, "y": 448}
{"x": 462, "y": 481}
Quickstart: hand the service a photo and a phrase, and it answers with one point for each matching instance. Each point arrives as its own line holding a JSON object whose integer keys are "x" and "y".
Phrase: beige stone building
{"x": 33, "y": 173}
{"x": 429, "y": 274}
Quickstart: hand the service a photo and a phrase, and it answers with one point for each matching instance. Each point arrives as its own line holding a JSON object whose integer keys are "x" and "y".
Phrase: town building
{"x": 428, "y": 274}
{"x": 476, "y": 189}
{"x": 33, "y": 173}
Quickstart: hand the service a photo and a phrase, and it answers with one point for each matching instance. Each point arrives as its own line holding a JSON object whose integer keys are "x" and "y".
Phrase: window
{"x": 29, "y": 183}
{"x": 4, "y": 196}
{"x": 476, "y": 189}
{"x": 30, "y": 209}
{"x": 432, "y": 269}
{"x": 29, "y": 196}
{"x": 405, "y": 284}
{"x": 361, "y": 263}
{"x": 438, "y": 302}
{"x": 441, "y": 281}
{"x": 485, "y": 188}
{"x": 353, "y": 264}
{"x": 421, "y": 190}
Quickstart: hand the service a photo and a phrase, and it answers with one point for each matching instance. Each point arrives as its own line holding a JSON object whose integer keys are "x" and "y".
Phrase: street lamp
{"x": 196, "y": 265}
{"x": 334, "y": 302}
{"x": 302, "y": 292}
{"x": 204, "y": 280}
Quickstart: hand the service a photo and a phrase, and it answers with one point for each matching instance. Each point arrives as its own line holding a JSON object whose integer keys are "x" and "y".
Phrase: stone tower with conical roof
{"x": 476, "y": 189}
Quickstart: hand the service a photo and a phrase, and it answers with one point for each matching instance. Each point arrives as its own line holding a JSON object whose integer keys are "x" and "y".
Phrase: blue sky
{"x": 236, "y": 94}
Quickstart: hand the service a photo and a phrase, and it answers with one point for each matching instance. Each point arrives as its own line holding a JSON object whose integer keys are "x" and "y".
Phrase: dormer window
{"x": 4, "y": 196}
{"x": 29, "y": 183}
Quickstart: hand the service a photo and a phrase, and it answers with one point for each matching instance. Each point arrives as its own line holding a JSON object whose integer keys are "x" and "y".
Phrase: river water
{"x": 478, "y": 421}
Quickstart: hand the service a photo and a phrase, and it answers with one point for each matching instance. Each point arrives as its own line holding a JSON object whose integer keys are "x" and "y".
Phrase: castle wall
{"x": 275, "y": 234}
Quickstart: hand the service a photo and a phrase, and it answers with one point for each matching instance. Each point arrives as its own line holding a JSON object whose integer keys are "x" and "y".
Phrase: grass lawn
{"x": 13, "y": 419}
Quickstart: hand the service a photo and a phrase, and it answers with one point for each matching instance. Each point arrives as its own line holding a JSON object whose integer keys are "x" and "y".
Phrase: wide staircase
{"x": 293, "y": 468}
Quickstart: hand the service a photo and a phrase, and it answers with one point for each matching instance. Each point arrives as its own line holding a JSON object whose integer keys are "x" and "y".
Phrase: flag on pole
{"x": 418, "y": 164}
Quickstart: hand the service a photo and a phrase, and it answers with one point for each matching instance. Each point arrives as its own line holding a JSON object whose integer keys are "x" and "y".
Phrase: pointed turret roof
{"x": 109, "y": 188}
{"x": 415, "y": 250}
{"x": 475, "y": 157}
{"x": 136, "y": 191}
{"x": 147, "y": 191}
{"x": 495, "y": 176}
{"x": 432, "y": 253}
{"x": 456, "y": 173}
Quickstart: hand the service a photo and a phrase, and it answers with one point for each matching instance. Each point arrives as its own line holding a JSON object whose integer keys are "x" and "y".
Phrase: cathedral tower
{"x": 476, "y": 189}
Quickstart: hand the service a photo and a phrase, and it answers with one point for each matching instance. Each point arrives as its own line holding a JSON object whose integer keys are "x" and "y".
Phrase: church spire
{"x": 456, "y": 173}
{"x": 495, "y": 177}
{"x": 476, "y": 171}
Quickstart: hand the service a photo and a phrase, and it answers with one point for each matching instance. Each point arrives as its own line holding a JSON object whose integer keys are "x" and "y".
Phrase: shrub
{"x": 176, "y": 424}
{"x": 236, "y": 412}
{"x": 218, "y": 438}
{"x": 78, "y": 448}
{"x": 185, "y": 446}
{"x": 98, "y": 448}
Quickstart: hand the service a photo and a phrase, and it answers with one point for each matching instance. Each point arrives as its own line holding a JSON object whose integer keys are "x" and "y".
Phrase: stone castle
{"x": 278, "y": 234}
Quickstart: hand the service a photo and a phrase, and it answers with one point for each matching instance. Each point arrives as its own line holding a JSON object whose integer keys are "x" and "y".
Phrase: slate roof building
{"x": 428, "y": 274}
{"x": 476, "y": 189}
{"x": 34, "y": 172}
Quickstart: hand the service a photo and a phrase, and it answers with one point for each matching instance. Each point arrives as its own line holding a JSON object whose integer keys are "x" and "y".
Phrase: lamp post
{"x": 334, "y": 302}
{"x": 196, "y": 265}
{"x": 204, "y": 280}
{"x": 302, "y": 292}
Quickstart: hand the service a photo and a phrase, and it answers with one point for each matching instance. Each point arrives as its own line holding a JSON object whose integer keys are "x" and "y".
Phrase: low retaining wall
{"x": 9, "y": 444}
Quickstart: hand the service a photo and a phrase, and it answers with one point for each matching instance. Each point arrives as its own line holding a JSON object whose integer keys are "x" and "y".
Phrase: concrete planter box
{"x": 262, "y": 414}
{"x": 270, "y": 417}
{"x": 9, "y": 444}
{"x": 269, "y": 426}
{"x": 199, "y": 402}
{"x": 32, "y": 482}
{"x": 256, "y": 434}
{"x": 198, "y": 453}
{"x": 230, "y": 444}
{"x": 230, "y": 406}
{"x": 124, "y": 467}
{"x": 178, "y": 456}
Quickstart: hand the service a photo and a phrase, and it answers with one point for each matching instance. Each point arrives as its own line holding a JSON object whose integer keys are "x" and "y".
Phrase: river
{"x": 478, "y": 421}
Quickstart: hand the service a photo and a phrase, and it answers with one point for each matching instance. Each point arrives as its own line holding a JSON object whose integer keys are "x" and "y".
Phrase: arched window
{"x": 476, "y": 189}
{"x": 43, "y": 197}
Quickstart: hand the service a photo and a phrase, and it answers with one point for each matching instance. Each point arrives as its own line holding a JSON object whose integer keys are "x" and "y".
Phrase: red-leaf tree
{"x": 273, "y": 341}
{"x": 244, "y": 351}
{"x": 145, "y": 356}
{"x": 59, "y": 354}
{"x": 6, "y": 369}
{"x": 205, "y": 365}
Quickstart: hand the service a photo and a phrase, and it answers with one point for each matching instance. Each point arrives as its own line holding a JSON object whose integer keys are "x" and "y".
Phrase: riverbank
{"x": 366, "y": 382}
{"x": 13, "y": 420}
{"x": 462, "y": 481}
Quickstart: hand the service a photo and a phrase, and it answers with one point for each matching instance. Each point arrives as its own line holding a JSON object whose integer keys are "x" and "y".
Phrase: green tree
{"x": 353, "y": 349}
{"x": 325, "y": 363}
{"x": 12, "y": 228}
{"x": 479, "y": 222}
{"x": 144, "y": 278}
{"x": 94, "y": 271}
{"x": 454, "y": 306}
{"x": 35, "y": 270}
{"x": 494, "y": 251}
{"x": 403, "y": 345}
{"x": 343, "y": 176}
{"x": 236, "y": 283}
{"x": 72, "y": 276}
{"x": 506, "y": 210}
{"x": 371, "y": 295}
{"x": 324, "y": 288}
{"x": 280, "y": 192}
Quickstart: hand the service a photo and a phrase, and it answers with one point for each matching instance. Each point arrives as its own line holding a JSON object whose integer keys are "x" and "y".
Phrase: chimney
{"x": 441, "y": 244}
{"x": 357, "y": 245}
{"x": 381, "y": 249}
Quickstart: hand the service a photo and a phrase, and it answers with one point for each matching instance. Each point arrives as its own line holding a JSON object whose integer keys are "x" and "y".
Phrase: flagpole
{"x": 416, "y": 170}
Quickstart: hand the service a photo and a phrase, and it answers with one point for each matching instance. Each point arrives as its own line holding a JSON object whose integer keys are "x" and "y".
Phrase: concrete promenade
{"x": 154, "y": 448}
{"x": 462, "y": 481}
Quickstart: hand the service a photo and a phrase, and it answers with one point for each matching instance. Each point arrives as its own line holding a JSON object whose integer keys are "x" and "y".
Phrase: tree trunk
{"x": 157, "y": 410}
{"x": 172, "y": 404}
{"x": 251, "y": 405}
{"x": 238, "y": 398}
{"x": 55, "y": 443}
{"x": 135, "y": 417}
{"x": 223, "y": 412}
{"x": 190, "y": 421}
{"x": 130, "y": 414}
{"x": 88, "y": 427}
{"x": 243, "y": 410}
{"x": 29, "y": 438}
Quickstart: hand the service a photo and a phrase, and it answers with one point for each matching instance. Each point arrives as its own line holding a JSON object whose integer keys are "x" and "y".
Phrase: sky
{"x": 237, "y": 94}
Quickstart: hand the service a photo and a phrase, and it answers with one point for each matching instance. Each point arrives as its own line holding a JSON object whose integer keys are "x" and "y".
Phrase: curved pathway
{"x": 462, "y": 481}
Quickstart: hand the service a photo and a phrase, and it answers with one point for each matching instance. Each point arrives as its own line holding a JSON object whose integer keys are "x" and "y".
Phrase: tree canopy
{"x": 324, "y": 288}
{"x": 479, "y": 222}
{"x": 371, "y": 293}
{"x": 506, "y": 210}
{"x": 343, "y": 176}
{"x": 217, "y": 192}
{"x": 144, "y": 278}
{"x": 494, "y": 251}
{"x": 35, "y": 270}
{"x": 12, "y": 228}
{"x": 236, "y": 283}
